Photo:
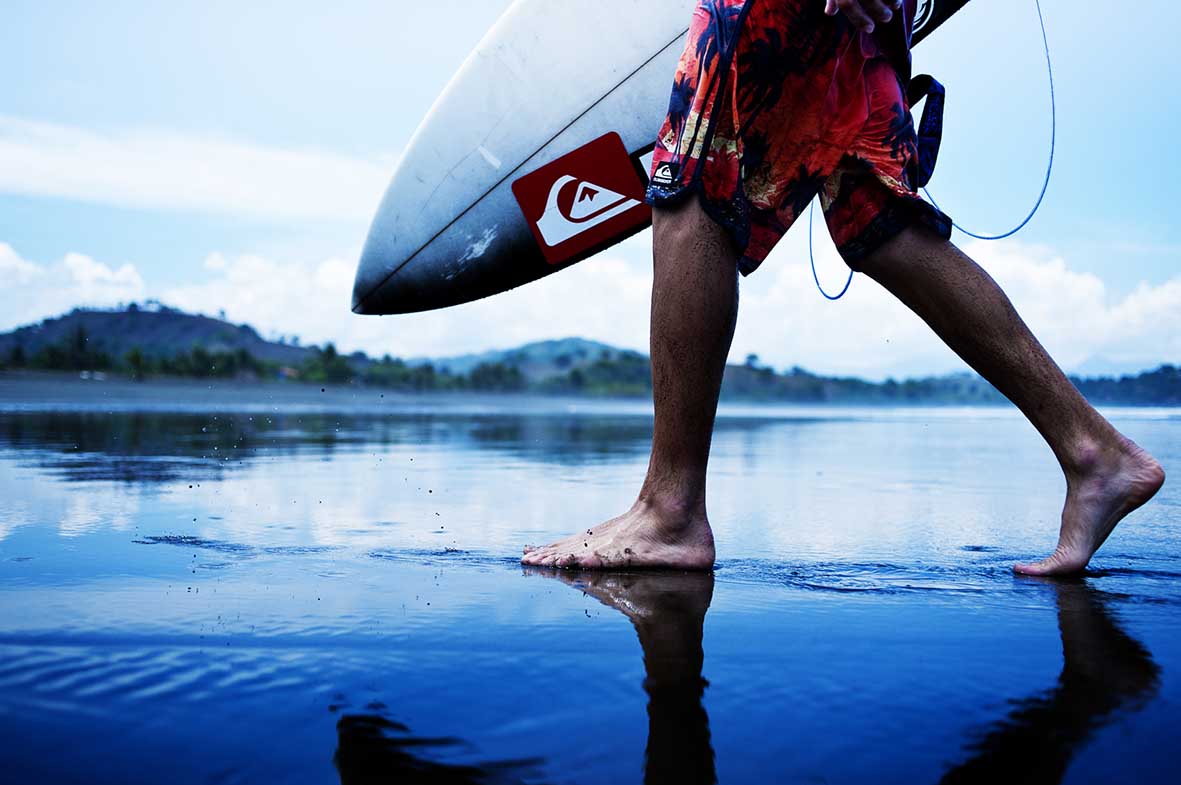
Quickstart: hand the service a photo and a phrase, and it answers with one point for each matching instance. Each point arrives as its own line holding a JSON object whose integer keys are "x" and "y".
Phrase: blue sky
{"x": 228, "y": 155}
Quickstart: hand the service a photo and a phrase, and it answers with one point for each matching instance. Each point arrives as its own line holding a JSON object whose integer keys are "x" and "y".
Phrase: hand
{"x": 862, "y": 13}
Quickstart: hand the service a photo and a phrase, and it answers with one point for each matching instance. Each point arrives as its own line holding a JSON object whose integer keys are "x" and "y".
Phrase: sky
{"x": 225, "y": 156}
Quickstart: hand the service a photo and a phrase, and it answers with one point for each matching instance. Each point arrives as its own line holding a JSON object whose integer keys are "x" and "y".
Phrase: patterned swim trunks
{"x": 773, "y": 103}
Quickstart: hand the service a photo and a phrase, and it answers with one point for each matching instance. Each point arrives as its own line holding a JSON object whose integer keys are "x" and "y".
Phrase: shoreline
{"x": 48, "y": 391}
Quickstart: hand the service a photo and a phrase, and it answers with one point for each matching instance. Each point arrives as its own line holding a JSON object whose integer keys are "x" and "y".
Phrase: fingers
{"x": 863, "y": 13}
{"x": 856, "y": 14}
{"x": 878, "y": 10}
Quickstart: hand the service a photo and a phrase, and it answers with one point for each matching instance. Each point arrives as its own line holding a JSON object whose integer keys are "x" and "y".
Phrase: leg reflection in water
{"x": 668, "y": 612}
{"x": 1104, "y": 670}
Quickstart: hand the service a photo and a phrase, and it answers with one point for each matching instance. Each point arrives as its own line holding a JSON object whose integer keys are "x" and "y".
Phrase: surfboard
{"x": 535, "y": 156}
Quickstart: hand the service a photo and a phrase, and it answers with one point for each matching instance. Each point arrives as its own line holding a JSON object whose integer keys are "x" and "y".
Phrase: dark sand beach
{"x": 245, "y": 583}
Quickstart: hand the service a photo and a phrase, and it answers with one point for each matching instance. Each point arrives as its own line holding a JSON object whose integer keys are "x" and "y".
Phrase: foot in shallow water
{"x": 645, "y": 537}
{"x": 1113, "y": 482}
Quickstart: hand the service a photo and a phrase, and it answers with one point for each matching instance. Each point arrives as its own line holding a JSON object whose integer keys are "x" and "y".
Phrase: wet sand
{"x": 319, "y": 595}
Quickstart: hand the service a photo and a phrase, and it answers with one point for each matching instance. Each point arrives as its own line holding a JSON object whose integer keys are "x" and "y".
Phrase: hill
{"x": 158, "y": 332}
{"x": 537, "y": 361}
{"x": 154, "y": 340}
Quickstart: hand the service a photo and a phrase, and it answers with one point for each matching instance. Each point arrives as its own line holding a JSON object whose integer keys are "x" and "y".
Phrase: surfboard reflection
{"x": 1104, "y": 671}
{"x": 668, "y": 613}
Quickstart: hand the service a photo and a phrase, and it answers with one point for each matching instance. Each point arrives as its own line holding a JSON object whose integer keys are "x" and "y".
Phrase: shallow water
{"x": 329, "y": 592}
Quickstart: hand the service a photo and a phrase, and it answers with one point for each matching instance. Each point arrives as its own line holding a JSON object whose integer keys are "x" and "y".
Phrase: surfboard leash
{"x": 812, "y": 258}
{"x": 1037, "y": 205}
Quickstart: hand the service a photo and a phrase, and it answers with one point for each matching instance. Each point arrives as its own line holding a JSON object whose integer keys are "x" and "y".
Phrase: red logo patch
{"x": 587, "y": 199}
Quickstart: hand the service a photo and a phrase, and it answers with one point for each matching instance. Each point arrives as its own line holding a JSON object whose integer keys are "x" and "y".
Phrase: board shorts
{"x": 774, "y": 103}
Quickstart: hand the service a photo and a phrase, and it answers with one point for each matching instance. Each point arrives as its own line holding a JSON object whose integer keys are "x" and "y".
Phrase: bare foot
{"x": 644, "y": 537}
{"x": 1113, "y": 482}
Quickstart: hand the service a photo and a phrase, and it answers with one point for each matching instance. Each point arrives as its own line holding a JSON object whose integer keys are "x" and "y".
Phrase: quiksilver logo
{"x": 923, "y": 14}
{"x": 665, "y": 174}
{"x": 591, "y": 205}
{"x": 583, "y": 201}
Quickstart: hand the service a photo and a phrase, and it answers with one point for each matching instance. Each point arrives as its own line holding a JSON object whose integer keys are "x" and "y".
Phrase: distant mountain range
{"x": 161, "y": 332}
{"x": 154, "y": 340}
{"x": 535, "y": 360}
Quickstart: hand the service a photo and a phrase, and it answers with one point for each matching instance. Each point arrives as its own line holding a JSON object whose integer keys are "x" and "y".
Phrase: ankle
{"x": 672, "y": 511}
{"x": 1086, "y": 455}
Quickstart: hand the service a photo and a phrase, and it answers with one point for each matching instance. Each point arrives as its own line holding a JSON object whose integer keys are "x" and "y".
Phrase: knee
{"x": 685, "y": 228}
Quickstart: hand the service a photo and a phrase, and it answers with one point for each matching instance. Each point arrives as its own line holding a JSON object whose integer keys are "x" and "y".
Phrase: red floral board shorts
{"x": 774, "y": 103}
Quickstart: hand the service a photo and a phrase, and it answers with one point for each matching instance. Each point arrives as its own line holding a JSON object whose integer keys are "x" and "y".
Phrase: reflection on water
{"x": 147, "y": 447}
{"x": 319, "y": 595}
{"x": 1104, "y": 670}
{"x": 374, "y": 750}
{"x": 139, "y": 448}
{"x": 668, "y": 613}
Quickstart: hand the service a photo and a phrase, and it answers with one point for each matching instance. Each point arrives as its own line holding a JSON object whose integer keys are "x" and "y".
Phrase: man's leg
{"x": 694, "y": 307}
{"x": 1107, "y": 476}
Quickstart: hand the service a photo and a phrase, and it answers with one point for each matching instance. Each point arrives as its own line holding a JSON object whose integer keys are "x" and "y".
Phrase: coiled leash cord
{"x": 1037, "y": 205}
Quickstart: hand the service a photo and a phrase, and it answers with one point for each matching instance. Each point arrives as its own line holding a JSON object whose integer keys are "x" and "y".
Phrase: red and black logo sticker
{"x": 589, "y": 198}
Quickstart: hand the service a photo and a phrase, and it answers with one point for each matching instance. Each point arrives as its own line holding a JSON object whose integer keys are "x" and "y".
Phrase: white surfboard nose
{"x": 489, "y": 251}
{"x": 548, "y": 79}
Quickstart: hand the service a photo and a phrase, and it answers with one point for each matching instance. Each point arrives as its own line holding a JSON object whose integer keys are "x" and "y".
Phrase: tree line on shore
{"x": 323, "y": 365}
{"x": 622, "y": 374}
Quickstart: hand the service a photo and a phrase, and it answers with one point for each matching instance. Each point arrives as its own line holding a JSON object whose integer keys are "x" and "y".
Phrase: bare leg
{"x": 1107, "y": 476}
{"x": 694, "y": 307}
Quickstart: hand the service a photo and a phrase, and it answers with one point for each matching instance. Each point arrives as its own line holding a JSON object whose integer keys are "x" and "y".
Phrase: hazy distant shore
{"x": 232, "y": 364}
{"x": 38, "y": 389}
{"x": 66, "y": 391}
{"x": 69, "y": 391}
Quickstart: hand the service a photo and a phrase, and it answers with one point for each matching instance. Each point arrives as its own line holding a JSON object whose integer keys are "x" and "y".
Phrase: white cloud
{"x": 605, "y": 298}
{"x": 869, "y": 333}
{"x": 308, "y": 300}
{"x": 783, "y": 318}
{"x": 15, "y": 269}
{"x": 94, "y": 275}
{"x": 34, "y": 291}
{"x": 171, "y": 171}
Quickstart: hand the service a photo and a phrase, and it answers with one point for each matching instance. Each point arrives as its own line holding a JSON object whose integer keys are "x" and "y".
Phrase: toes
{"x": 577, "y": 561}
{"x": 535, "y": 557}
{"x": 1036, "y": 569}
{"x": 1056, "y": 564}
{"x": 540, "y": 555}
